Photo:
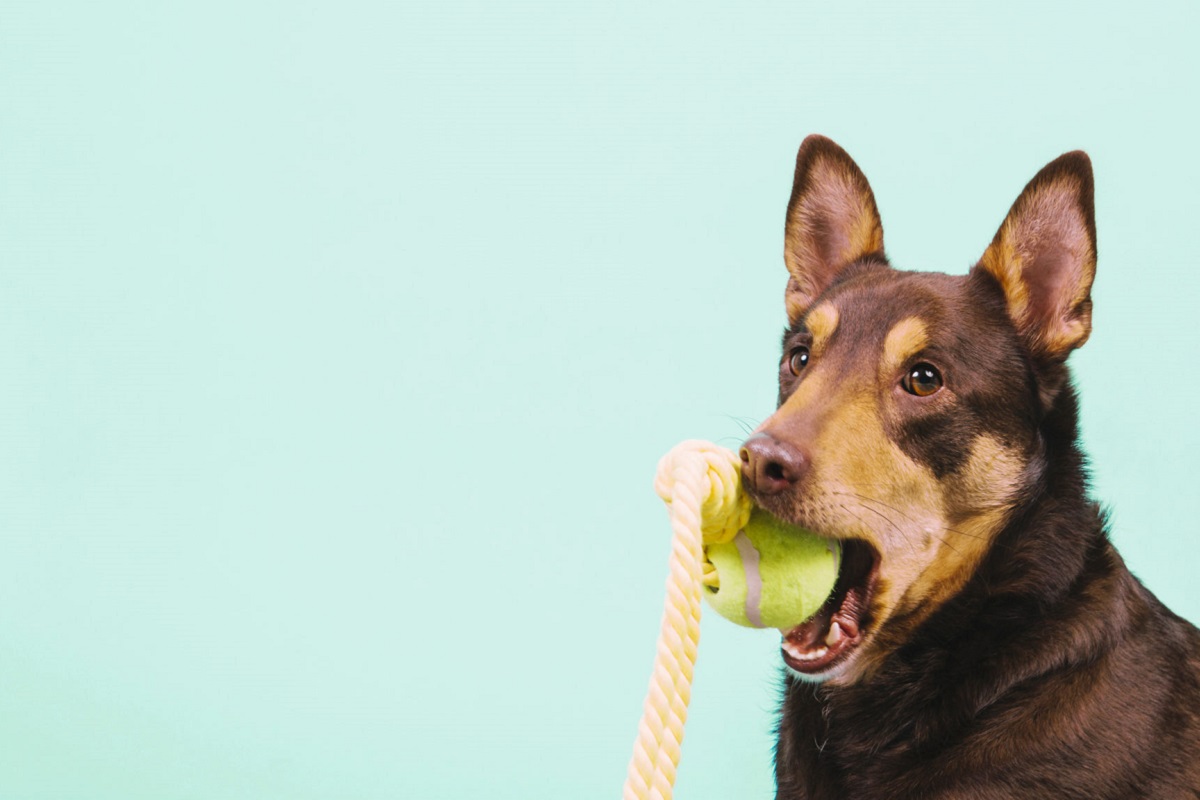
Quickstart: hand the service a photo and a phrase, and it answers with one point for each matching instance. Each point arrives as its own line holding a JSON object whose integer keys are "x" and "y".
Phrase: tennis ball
{"x": 772, "y": 574}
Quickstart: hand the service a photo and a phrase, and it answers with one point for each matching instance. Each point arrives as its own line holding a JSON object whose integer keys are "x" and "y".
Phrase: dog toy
{"x": 771, "y": 575}
{"x": 756, "y": 570}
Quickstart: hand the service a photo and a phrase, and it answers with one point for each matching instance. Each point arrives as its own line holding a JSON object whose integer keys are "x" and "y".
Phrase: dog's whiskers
{"x": 890, "y": 507}
{"x": 747, "y": 424}
{"x": 902, "y": 538}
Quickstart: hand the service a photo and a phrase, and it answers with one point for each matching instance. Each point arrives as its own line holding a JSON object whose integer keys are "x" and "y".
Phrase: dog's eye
{"x": 922, "y": 380}
{"x": 798, "y": 359}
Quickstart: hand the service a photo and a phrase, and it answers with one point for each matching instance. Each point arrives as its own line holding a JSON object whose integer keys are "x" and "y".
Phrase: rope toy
{"x": 755, "y": 570}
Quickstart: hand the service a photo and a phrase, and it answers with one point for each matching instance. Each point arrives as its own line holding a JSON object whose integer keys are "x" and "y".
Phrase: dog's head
{"x": 911, "y": 404}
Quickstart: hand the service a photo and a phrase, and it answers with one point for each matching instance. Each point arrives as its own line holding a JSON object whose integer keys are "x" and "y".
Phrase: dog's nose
{"x": 769, "y": 466}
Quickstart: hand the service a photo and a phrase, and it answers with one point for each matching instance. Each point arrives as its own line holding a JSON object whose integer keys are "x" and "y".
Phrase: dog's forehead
{"x": 872, "y": 308}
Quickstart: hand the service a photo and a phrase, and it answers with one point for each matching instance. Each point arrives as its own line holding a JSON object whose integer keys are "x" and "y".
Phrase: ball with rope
{"x": 755, "y": 570}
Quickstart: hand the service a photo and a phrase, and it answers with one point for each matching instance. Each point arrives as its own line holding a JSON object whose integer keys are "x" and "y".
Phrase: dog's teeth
{"x": 798, "y": 654}
{"x": 835, "y": 634}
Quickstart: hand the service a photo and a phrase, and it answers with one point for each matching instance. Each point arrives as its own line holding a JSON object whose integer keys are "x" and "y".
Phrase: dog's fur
{"x": 1005, "y": 650}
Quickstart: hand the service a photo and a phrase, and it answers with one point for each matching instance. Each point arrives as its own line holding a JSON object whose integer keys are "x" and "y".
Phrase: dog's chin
{"x": 824, "y": 646}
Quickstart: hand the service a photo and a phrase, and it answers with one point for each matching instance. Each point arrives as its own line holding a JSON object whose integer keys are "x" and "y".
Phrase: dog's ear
{"x": 1044, "y": 258}
{"x": 832, "y": 221}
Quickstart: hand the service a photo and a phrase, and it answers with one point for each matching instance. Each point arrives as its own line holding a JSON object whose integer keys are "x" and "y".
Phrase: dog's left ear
{"x": 832, "y": 221}
{"x": 1044, "y": 258}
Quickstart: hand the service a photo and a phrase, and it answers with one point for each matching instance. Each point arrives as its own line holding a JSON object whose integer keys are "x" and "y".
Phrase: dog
{"x": 984, "y": 640}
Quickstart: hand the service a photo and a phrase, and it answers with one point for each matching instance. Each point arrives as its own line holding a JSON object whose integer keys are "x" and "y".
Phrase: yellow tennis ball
{"x": 772, "y": 574}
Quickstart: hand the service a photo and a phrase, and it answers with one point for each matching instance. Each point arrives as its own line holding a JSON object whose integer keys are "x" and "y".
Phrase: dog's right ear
{"x": 832, "y": 221}
{"x": 1044, "y": 258}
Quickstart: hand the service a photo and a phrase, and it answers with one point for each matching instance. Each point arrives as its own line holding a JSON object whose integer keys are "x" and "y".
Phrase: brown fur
{"x": 1007, "y": 652}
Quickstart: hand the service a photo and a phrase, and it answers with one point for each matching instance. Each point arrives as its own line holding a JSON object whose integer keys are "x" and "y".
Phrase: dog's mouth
{"x": 829, "y": 637}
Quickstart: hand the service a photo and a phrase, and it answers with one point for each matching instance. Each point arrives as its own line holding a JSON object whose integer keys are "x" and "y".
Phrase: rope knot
{"x": 715, "y": 473}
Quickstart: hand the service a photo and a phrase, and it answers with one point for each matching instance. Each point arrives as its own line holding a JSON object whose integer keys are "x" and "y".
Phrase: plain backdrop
{"x": 339, "y": 342}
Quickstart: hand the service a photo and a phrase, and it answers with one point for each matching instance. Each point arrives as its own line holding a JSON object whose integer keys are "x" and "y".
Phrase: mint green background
{"x": 340, "y": 341}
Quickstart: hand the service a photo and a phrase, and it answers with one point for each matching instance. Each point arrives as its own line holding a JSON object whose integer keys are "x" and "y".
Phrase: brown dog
{"x": 984, "y": 640}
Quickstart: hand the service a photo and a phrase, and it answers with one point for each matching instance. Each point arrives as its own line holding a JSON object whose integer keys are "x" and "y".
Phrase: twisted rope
{"x": 701, "y": 485}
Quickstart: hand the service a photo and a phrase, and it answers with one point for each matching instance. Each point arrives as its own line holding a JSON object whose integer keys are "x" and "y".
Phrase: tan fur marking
{"x": 882, "y": 495}
{"x": 808, "y": 393}
{"x": 896, "y": 505}
{"x": 906, "y": 338}
{"x": 956, "y": 553}
{"x": 822, "y": 321}
{"x": 982, "y": 494}
{"x": 991, "y": 478}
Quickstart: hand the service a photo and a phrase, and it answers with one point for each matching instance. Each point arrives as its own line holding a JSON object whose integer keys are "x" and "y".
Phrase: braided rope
{"x": 701, "y": 485}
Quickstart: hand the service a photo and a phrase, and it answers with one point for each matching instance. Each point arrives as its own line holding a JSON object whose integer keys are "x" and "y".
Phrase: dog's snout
{"x": 770, "y": 466}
